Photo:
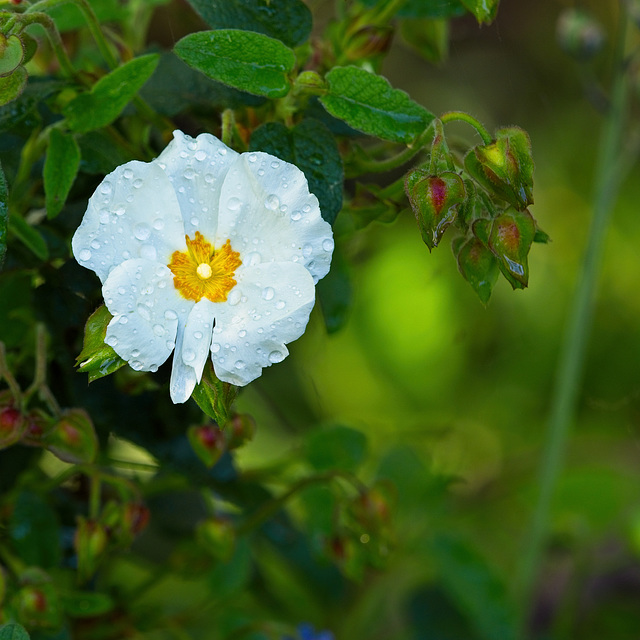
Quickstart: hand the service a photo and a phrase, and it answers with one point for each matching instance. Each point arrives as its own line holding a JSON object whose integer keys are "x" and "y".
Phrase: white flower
{"x": 204, "y": 251}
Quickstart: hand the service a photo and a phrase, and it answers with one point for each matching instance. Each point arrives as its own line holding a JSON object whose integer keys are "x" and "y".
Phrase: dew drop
{"x": 85, "y": 254}
{"x": 222, "y": 151}
{"x": 233, "y": 204}
{"x": 153, "y": 368}
{"x": 158, "y": 224}
{"x": 268, "y": 293}
{"x": 95, "y": 244}
{"x": 137, "y": 183}
{"x": 234, "y": 297}
{"x": 188, "y": 355}
{"x": 197, "y": 335}
{"x": 208, "y": 178}
{"x": 136, "y": 365}
{"x": 189, "y": 174}
{"x": 328, "y": 244}
{"x": 119, "y": 210}
{"x": 306, "y": 208}
{"x": 123, "y": 320}
{"x": 260, "y": 172}
{"x": 106, "y": 188}
{"x": 296, "y": 215}
{"x": 240, "y": 364}
{"x": 170, "y": 314}
{"x": 307, "y": 250}
{"x": 158, "y": 329}
{"x": 122, "y": 291}
{"x": 275, "y": 165}
{"x": 104, "y": 216}
{"x": 200, "y": 155}
{"x": 215, "y": 347}
{"x": 141, "y": 231}
{"x": 135, "y": 353}
{"x": 144, "y": 312}
{"x": 280, "y": 304}
{"x": 126, "y": 255}
{"x": 276, "y": 356}
{"x": 272, "y": 202}
{"x": 242, "y": 333}
{"x": 252, "y": 259}
{"x": 112, "y": 341}
{"x": 195, "y": 221}
{"x": 170, "y": 345}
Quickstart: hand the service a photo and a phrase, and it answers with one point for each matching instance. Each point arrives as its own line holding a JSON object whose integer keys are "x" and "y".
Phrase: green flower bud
{"x": 310, "y": 82}
{"x": 73, "y": 438}
{"x": 477, "y": 265}
{"x": 207, "y": 442}
{"x": 12, "y": 422}
{"x": 440, "y": 159}
{"x": 510, "y": 240}
{"x": 504, "y": 167}
{"x": 218, "y": 537}
{"x": 90, "y": 542}
{"x": 579, "y": 34}
{"x": 38, "y": 606}
{"x": 435, "y": 200}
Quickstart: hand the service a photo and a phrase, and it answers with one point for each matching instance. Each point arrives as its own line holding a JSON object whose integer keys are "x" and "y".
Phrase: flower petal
{"x": 197, "y": 336}
{"x": 269, "y": 215}
{"x": 146, "y": 310}
{"x": 197, "y": 168}
{"x": 183, "y": 377}
{"x": 134, "y": 213}
{"x": 268, "y": 308}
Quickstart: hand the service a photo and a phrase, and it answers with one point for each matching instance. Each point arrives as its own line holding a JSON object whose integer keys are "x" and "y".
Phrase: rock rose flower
{"x": 205, "y": 252}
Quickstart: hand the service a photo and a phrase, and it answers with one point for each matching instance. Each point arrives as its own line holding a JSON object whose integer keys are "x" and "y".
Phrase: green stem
{"x": 564, "y": 402}
{"x": 389, "y": 10}
{"x": 5, "y": 373}
{"x": 461, "y": 116}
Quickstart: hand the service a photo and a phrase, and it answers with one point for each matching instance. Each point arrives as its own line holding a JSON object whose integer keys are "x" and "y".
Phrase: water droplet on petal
{"x": 136, "y": 365}
{"x": 170, "y": 345}
{"x": 128, "y": 174}
{"x": 234, "y": 297}
{"x": 112, "y": 341}
{"x": 158, "y": 329}
{"x": 276, "y": 356}
{"x": 222, "y": 151}
{"x": 252, "y": 259}
{"x": 197, "y": 335}
{"x": 85, "y": 254}
{"x": 106, "y": 187}
{"x": 200, "y": 155}
{"x": 280, "y": 304}
{"x": 158, "y": 224}
{"x": 189, "y": 173}
{"x": 135, "y": 353}
{"x": 208, "y": 178}
{"x": 272, "y": 202}
{"x": 275, "y": 164}
{"x": 95, "y": 244}
{"x": 119, "y": 210}
{"x": 137, "y": 183}
{"x": 195, "y": 221}
{"x": 296, "y": 215}
{"x": 141, "y": 231}
{"x": 123, "y": 320}
{"x": 233, "y": 204}
{"x": 240, "y": 364}
{"x": 144, "y": 312}
{"x": 242, "y": 333}
{"x": 215, "y": 347}
{"x": 328, "y": 244}
{"x": 253, "y": 157}
{"x": 307, "y": 250}
{"x": 268, "y": 293}
{"x": 188, "y": 355}
{"x": 170, "y": 314}
{"x": 153, "y": 368}
{"x": 104, "y": 216}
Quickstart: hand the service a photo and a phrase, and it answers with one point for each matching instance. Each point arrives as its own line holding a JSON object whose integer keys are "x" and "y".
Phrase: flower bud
{"x": 435, "y": 200}
{"x": 12, "y": 422}
{"x": 440, "y": 159}
{"x": 90, "y": 542}
{"x": 123, "y": 522}
{"x": 369, "y": 41}
{"x": 239, "y": 430}
{"x": 311, "y": 82}
{"x": 477, "y": 265}
{"x": 371, "y": 510}
{"x": 38, "y": 606}
{"x": 37, "y": 427}
{"x": 11, "y": 54}
{"x": 73, "y": 438}
{"x": 504, "y": 167}
{"x": 579, "y": 34}
{"x": 217, "y": 535}
{"x": 510, "y": 240}
{"x": 208, "y": 443}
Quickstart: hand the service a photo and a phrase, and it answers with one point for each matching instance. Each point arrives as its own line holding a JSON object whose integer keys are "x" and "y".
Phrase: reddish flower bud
{"x": 73, "y": 438}
{"x": 38, "y": 606}
{"x": 208, "y": 443}
{"x": 435, "y": 200}
{"x": 477, "y": 265}
{"x": 218, "y": 537}
{"x": 504, "y": 167}
{"x": 239, "y": 430}
{"x": 12, "y": 422}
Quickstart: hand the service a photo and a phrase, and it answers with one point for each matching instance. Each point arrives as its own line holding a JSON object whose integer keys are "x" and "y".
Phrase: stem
{"x": 94, "y": 496}
{"x": 5, "y": 373}
{"x": 461, "y": 116}
{"x": 564, "y": 401}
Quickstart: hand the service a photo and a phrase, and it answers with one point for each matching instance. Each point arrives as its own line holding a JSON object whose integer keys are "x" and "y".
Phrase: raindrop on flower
{"x": 119, "y": 210}
{"x": 137, "y": 183}
{"x": 158, "y": 329}
{"x": 252, "y": 259}
{"x": 240, "y": 364}
{"x": 189, "y": 173}
{"x": 135, "y": 353}
{"x": 200, "y": 155}
{"x": 128, "y": 174}
{"x": 276, "y": 356}
{"x": 148, "y": 252}
{"x": 141, "y": 231}
{"x": 280, "y": 304}
{"x": 188, "y": 355}
{"x": 158, "y": 224}
{"x": 195, "y": 221}
{"x": 144, "y": 312}
{"x": 197, "y": 335}
{"x": 307, "y": 250}
{"x": 123, "y": 320}
{"x": 234, "y": 297}
{"x": 106, "y": 188}
{"x": 169, "y": 314}
{"x": 85, "y": 254}
{"x": 215, "y": 347}
{"x": 112, "y": 341}
{"x": 272, "y": 202}
{"x": 136, "y": 365}
{"x": 233, "y": 204}
{"x": 268, "y": 293}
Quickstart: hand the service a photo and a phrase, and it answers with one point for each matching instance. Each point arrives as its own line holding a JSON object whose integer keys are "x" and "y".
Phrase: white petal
{"x": 267, "y": 212}
{"x": 268, "y": 308}
{"x": 197, "y": 336}
{"x": 183, "y": 377}
{"x": 197, "y": 168}
{"x": 146, "y": 309}
{"x": 134, "y": 213}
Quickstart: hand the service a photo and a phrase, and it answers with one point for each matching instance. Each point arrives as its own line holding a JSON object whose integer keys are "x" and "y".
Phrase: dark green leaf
{"x": 13, "y": 631}
{"x": 11, "y": 115}
{"x": 484, "y": 10}
{"x": 245, "y": 60}
{"x": 11, "y": 54}
{"x": 334, "y": 293}
{"x": 30, "y": 237}
{"x": 97, "y": 358}
{"x": 100, "y": 154}
{"x": 367, "y": 102}
{"x": 313, "y": 149}
{"x": 12, "y": 86}
{"x": 425, "y": 8}
{"x": 540, "y": 236}
{"x": 34, "y": 531}
{"x": 336, "y": 448}
{"x": 231, "y": 577}
{"x": 83, "y": 604}
{"x": 4, "y": 216}
{"x": 477, "y": 591}
{"x": 285, "y": 20}
{"x": 60, "y": 170}
{"x": 110, "y": 95}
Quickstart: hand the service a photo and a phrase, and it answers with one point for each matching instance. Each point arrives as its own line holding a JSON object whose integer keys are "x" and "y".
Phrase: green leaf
{"x": 368, "y": 103}
{"x": 11, "y": 54}
{"x": 110, "y": 95}
{"x": 30, "y": 237}
{"x": 479, "y": 593}
{"x": 18, "y": 111}
{"x": 425, "y": 8}
{"x": 484, "y": 10}
{"x": 100, "y": 154}
{"x": 83, "y": 604}
{"x": 97, "y": 358}
{"x": 12, "y": 86}
{"x": 334, "y": 293}
{"x": 60, "y": 170}
{"x": 245, "y": 60}
{"x": 313, "y": 149}
{"x": 286, "y": 20}
{"x": 4, "y": 215}
{"x": 429, "y": 37}
{"x": 13, "y": 631}
{"x": 336, "y": 448}
{"x": 33, "y": 528}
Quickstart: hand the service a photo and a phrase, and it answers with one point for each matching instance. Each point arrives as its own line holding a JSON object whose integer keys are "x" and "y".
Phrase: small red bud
{"x": 208, "y": 443}
{"x": 73, "y": 438}
{"x": 239, "y": 430}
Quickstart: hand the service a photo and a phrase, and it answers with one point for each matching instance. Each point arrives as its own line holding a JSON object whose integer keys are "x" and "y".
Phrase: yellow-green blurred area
{"x": 442, "y": 386}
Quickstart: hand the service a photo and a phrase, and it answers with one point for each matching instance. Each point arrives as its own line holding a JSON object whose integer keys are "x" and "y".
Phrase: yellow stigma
{"x": 204, "y": 272}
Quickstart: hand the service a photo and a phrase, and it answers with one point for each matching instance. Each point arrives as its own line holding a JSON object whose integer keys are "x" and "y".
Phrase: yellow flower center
{"x": 204, "y": 272}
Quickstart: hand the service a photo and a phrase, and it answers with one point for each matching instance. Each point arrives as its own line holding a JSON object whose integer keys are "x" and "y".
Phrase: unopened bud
{"x": 38, "y": 606}
{"x": 477, "y": 265}
{"x": 90, "y": 542}
{"x": 368, "y": 41}
{"x": 435, "y": 200}
{"x": 218, "y": 537}
{"x": 12, "y": 422}
{"x": 371, "y": 510}
{"x": 505, "y": 167}
{"x": 239, "y": 430}
{"x": 311, "y": 82}
{"x": 207, "y": 442}
{"x": 73, "y": 438}
{"x": 579, "y": 34}
{"x": 11, "y": 54}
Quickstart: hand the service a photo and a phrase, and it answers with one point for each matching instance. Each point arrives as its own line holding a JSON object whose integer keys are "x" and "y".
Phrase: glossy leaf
{"x": 368, "y": 103}
{"x": 484, "y": 10}
{"x": 4, "y": 216}
{"x": 245, "y": 60}
{"x": 286, "y": 20}
{"x": 313, "y": 149}
{"x": 110, "y": 95}
{"x": 97, "y": 358}
{"x": 60, "y": 170}
{"x": 13, "y": 631}
{"x": 11, "y": 54}
{"x": 29, "y": 236}
{"x": 13, "y": 85}
{"x": 336, "y": 447}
